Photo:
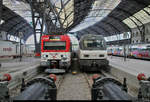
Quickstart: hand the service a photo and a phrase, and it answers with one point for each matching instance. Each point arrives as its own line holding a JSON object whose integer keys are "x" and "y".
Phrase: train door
{"x": 148, "y": 49}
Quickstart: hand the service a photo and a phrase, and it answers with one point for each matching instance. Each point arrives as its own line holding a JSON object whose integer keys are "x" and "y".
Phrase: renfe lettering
{"x": 7, "y": 49}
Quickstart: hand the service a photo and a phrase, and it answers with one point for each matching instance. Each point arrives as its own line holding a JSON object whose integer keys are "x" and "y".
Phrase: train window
{"x": 55, "y": 45}
{"x": 94, "y": 44}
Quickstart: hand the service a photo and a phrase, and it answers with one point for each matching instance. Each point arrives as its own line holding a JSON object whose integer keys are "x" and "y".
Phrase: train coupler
{"x": 144, "y": 90}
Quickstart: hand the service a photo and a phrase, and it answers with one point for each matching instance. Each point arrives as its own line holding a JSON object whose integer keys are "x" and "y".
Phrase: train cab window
{"x": 94, "y": 44}
{"x": 56, "y": 45}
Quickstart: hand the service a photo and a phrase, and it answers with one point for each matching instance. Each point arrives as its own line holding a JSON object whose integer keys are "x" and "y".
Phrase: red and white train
{"x": 56, "y": 52}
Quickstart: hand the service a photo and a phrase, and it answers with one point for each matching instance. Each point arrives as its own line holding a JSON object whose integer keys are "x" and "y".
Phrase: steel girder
{"x": 141, "y": 29}
{"x": 81, "y": 9}
{"x": 46, "y": 14}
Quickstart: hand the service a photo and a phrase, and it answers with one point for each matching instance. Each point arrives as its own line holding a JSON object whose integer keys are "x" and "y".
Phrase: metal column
{"x": 37, "y": 20}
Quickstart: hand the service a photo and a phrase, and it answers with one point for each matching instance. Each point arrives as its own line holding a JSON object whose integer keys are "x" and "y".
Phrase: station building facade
{"x": 136, "y": 35}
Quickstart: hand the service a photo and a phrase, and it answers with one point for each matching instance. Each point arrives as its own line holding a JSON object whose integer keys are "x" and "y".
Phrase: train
{"x": 56, "y": 53}
{"x": 92, "y": 53}
{"x": 141, "y": 51}
{"x": 11, "y": 49}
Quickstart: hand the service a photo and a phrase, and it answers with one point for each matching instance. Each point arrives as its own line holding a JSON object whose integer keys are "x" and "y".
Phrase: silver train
{"x": 92, "y": 53}
{"x": 10, "y": 49}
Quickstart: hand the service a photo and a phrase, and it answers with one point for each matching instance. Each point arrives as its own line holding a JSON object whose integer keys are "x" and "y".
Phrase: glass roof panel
{"x": 147, "y": 9}
{"x": 129, "y": 22}
{"x": 142, "y": 16}
{"x": 65, "y": 10}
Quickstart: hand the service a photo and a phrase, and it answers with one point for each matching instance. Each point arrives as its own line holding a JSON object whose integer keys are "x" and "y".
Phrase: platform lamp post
{"x": 20, "y": 36}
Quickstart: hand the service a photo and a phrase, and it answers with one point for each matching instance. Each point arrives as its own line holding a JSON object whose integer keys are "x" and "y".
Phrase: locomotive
{"x": 92, "y": 53}
{"x": 56, "y": 53}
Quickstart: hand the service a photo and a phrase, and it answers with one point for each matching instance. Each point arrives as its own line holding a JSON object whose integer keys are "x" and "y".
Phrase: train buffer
{"x": 42, "y": 88}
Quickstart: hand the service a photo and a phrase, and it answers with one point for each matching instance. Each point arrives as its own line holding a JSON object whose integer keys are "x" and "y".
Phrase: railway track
{"x": 88, "y": 77}
{"x": 64, "y": 83}
{"x": 59, "y": 81}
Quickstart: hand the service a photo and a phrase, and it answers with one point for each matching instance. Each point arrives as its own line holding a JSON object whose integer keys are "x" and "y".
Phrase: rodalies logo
{"x": 54, "y": 55}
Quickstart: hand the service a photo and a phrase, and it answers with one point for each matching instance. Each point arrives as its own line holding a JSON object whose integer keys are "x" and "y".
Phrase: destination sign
{"x": 54, "y": 37}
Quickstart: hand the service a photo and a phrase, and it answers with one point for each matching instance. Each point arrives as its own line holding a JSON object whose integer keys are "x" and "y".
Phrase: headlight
{"x": 64, "y": 57}
{"x": 101, "y": 55}
{"x": 44, "y": 56}
{"x": 86, "y": 55}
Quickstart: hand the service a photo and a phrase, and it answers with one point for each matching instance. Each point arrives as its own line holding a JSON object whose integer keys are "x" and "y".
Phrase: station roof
{"x": 17, "y": 14}
{"x": 14, "y": 23}
{"x": 106, "y": 17}
{"x": 128, "y": 14}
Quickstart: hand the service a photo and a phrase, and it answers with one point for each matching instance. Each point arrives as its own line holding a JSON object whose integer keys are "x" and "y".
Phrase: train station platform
{"x": 129, "y": 69}
{"x": 26, "y": 68}
{"x": 133, "y": 66}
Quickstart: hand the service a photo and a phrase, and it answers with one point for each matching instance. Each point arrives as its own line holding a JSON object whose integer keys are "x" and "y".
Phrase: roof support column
{"x": 37, "y": 20}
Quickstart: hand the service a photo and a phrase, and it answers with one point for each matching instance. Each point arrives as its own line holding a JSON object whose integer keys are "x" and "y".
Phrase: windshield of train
{"x": 55, "y": 45}
{"x": 94, "y": 44}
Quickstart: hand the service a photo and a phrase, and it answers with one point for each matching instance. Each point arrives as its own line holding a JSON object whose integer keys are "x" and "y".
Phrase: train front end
{"x": 56, "y": 53}
{"x": 93, "y": 53}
